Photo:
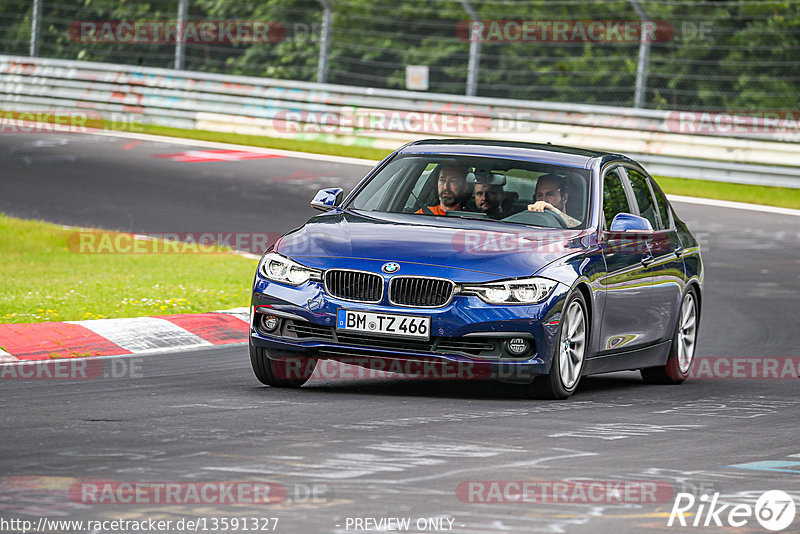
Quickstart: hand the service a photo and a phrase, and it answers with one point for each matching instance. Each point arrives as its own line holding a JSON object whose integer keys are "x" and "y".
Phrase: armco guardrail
{"x": 385, "y": 118}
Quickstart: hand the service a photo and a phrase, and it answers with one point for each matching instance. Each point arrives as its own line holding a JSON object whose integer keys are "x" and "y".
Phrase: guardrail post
{"x": 474, "y": 50}
{"x": 324, "y": 41}
{"x": 640, "y": 93}
{"x": 183, "y": 8}
{"x": 36, "y": 18}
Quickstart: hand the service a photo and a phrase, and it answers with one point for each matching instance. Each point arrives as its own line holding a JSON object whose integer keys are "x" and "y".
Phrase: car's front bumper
{"x": 467, "y": 334}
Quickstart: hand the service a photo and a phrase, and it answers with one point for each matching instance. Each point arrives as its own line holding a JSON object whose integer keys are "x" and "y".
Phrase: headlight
{"x": 523, "y": 291}
{"x": 279, "y": 269}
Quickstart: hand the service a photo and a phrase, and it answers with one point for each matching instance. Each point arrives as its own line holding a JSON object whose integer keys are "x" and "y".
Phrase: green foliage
{"x": 725, "y": 54}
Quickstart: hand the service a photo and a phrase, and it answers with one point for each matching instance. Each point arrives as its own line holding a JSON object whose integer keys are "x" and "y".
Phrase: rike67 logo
{"x": 774, "y": 510}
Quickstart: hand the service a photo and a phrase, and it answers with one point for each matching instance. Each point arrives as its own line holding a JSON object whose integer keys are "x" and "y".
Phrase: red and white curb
{"x": 107, "y": 337}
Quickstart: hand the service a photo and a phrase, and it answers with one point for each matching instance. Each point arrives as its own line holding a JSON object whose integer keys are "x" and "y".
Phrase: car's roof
{"x": 552, "y": 154}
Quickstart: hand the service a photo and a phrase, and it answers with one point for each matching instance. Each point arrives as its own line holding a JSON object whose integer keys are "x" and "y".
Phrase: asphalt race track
{"x": 122, "y": 184}
{"x": 358, "y": 449}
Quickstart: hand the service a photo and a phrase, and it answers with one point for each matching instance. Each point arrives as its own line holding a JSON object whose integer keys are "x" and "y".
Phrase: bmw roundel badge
{"x": 390, "y": 268}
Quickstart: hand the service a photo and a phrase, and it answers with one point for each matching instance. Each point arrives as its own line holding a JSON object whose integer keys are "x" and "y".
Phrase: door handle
{"x": 678, "y": 250}
{"x": 647, "y": 258}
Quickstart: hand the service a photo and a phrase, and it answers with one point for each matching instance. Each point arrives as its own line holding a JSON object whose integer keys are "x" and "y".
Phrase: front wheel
{"x": 286, "y": 372}
{"x": 569, "y": 355}
{"x": 681, "y": 353}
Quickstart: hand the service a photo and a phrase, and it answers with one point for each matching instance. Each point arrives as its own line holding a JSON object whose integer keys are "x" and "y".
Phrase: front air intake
{"x": 420, "y": 292}
{"x": 356, "y": 286}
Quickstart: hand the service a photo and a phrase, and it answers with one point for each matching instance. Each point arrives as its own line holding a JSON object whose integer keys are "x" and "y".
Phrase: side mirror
{"x": 627, "y": 222}
{"x": 327, "y": 199}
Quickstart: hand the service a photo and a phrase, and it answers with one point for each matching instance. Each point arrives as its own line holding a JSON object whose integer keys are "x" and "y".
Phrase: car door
{"x": 625, "y": 322}
{"x": 666, "y": 266}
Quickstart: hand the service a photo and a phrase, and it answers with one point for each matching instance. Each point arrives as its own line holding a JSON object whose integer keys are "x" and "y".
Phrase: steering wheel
{"x": 538, "y": 218}
{"x": 559, "y": 219}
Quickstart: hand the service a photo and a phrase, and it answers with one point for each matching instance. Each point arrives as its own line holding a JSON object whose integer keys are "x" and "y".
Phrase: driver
{"x": 453, "y": 191}
{"x": 551, "y": 195}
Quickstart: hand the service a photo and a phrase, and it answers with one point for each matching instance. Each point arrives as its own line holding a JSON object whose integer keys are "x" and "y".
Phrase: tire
{"x": 569, "y": 356}
{"x": 684, "y": 342}
{"x": 283, "y": 373}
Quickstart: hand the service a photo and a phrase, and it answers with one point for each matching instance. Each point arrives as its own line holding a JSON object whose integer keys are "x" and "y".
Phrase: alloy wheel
{"x": 572, "y": 347}
{"x": 687, "y": 333}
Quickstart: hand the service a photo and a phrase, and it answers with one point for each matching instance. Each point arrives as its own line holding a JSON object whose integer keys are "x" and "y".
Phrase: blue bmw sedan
{"x": 529, "y": 264}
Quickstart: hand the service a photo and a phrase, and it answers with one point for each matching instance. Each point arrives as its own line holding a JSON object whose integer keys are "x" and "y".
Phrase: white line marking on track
{"x": 521, "y": 464}
{"x": 365, "y": 465}
{"x": 733, "y": 205}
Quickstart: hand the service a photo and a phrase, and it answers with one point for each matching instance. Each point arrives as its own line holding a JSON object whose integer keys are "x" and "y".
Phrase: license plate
{"x": 384, "y": 324}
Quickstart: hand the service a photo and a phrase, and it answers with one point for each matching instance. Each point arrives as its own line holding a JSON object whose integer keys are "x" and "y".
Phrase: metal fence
{"x": 714, "y": 55}
{"x": 129, "y": 96}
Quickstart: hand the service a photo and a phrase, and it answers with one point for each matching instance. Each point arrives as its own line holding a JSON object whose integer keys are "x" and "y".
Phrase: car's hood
{"x": 464, "y": 250}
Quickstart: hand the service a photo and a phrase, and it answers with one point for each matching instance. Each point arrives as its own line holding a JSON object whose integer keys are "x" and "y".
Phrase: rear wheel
{"x": 681, "y": 354}
{"x": 285, "y": 372}
{"x": 569, "y": 355}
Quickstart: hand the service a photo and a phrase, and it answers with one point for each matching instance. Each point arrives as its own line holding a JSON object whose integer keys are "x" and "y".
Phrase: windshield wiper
{"x": 482, "y": 217}
{"x": 468, "y": 215}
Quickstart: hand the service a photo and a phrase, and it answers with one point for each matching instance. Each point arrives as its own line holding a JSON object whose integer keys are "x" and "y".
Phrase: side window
{"x": 663, "y": 206}
{"x": 375, "y": 194}
{"x": 379, "y": 198}
{"x": 614, "y": 199}
{"x": 641, "y": 191}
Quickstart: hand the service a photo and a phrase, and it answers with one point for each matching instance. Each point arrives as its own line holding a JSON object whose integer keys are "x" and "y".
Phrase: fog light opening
{"x": 517, "y": 347}
{"x": 268, "y": 324}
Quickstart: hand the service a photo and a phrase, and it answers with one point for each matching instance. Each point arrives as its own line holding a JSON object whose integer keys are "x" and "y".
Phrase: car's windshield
{"x": 513, "y": 191}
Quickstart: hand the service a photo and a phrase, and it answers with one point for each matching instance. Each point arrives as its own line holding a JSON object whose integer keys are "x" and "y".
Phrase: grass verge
{"x": 298, "y": 145}
{"x": 45, "y": 278}
{"x": 783, "y": 197}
